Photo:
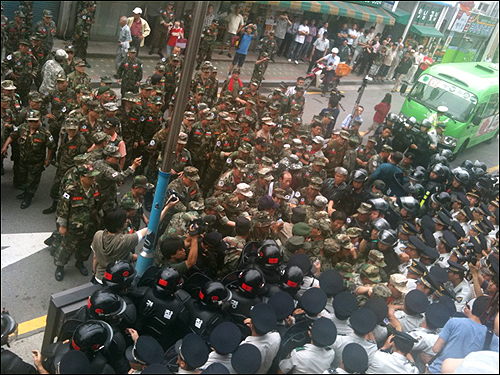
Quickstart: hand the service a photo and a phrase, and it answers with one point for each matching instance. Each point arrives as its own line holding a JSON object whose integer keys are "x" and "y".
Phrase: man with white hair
{"x": 124, "y": 41}
{"x": 50, "y": 71}
{"x": 139, "y": 28}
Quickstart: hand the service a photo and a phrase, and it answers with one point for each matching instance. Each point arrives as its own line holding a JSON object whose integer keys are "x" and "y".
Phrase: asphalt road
{"x": 28, "y": 283}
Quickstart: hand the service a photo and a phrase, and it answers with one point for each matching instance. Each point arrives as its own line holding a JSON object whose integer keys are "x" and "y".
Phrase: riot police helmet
{"x": 417, "y": 176}
{"x": 418, "y": 191}
{"x": 438, "y": 159}
{"x": 381, "y": 224}
{"x": 410, "y": 204}
{"x": 480, "y": 164}
{"x": 427, "y": 123}
{"x": 92, "y": 336}
{"x": 269, "y": 254}
{"x": 392, "y": 117}
{"x": 388, "y": 237}
{"x": 448, "y": 154}
{"x": 360, "y": 175}
{"x": 291, "y": 280}
{"x": 439, "y": 170}
{"x": 250, "y": 281}
{"x": 214, "y": 293}
{"x": 442, "y": 198}
{"x": 118, "y": 275}
{"x": 379, "y": 204}
{"x": 167, "y": 281}
{"x": 467, "y": 164}
{"x": 478, "y": 172}
{"x": 461, "y": 175}
{"x": 9, "y": 329}
{"x": 106, "y": 305}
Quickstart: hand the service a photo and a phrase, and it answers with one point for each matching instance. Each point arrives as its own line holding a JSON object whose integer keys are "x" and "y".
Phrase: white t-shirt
{"x": 321, "y": 45}
{"x": 234, "y": 22}
{"x": 321, "y": 32}
{"x": 300, "y": 38}
{"x": 351, "y": 41}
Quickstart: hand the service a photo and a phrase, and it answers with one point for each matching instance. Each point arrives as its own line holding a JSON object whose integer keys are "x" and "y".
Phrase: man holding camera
{"x": 163, "y": 26}
{"x": 244, "y": 43}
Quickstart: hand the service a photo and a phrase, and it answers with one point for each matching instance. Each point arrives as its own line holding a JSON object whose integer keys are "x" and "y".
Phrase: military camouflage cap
{"x": 36, "y": 36}
{"x": 79, "y": 62}
{"x": 141, "y": 181}
{"x": 8, "y": 85}
{"x": 343, "y": 240}
{"x": 297, "y": 144}
{"x": 296, "y": 107}
{"x": 47, "y": 13}
{"x": 128, "y": 203}
{"x": 344, "y": 134}
{"x": 244, "y": 189}
{"x": 232, "y": 203}
{"x": 234, "y": 125}
{"x": 130, "y": 97}
{"x": 18, "y": 13}
{"x": 189, "y": 115}
{"x": 279, "y": 193}
{"x": 371, "y": 272}
{"x": 262, "y": 219}
{"x": 330, "y": 246}
{"x": 211, "y": 202}
{"x": 191, "y": 173}
{"x": 107, "y": 80}
{"x": 112, "y": 151}
{"x": 245, "y": 148}
{"x": 265, "y": 173}
{"x": 241, "y": 165}
{"x": 87, "y": 170}
{"x": 365, "y": 208}
{"x": 34, "y": 96}
{"x": 196, "y": 206}
{"x": 71, "y": 123}
{"x": 301, "y": 229}
{"x": 382, "y": 291}
{"x": 320, "y": 201}
{"x": 25, "y": 42}
{"x": 132, "y": 50}
{"x": 354, "y": 232}
{"x": 316, "y": 183}
{"x": 345, "y": 268}
{"x": 399, "y": 282}
{"x": 262, "y": 98}
{"x": 377, "y": 257}
{"x": 267, "y": 162}
{"x": 81, "y": 159}
{"x": 33, "y": 115}
{"x": 68, "y": 48}
{"x": 111, "y": 106}
{"x": 278, "y": 136}
{"x": 175, "y": 57}
{"x": 387, "y": 148}
{"x": 319, "y": 160}
{"x": 99, "y": 137}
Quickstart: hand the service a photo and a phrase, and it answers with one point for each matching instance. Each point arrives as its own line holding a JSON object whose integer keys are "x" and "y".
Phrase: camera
{"x": 467, "y": 253}
{"x": 171, "y": 193}
{"x": 204, "y": 224}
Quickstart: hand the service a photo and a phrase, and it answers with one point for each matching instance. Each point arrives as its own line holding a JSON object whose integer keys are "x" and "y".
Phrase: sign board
{"x": 388, "y": 5}
{"x": 480, "y": 25}
{"x": 427, "y": 14}
{"x": 460, "y": 21}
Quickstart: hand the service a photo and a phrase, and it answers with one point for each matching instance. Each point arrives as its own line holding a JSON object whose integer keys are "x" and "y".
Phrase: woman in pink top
{"x": 176, "y": 32}
{"x": 381, "y": 110}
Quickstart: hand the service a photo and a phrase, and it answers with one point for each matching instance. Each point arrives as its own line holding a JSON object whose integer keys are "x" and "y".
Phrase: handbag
{"x": 181, "y": 43}
{"x": 235, "y": 41}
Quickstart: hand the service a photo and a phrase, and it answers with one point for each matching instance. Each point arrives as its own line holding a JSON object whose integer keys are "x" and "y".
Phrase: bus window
{"x": 492, "y": 106}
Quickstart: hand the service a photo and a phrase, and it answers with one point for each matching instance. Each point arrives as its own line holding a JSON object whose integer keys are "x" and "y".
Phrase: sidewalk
{"x": 101, "y": 57}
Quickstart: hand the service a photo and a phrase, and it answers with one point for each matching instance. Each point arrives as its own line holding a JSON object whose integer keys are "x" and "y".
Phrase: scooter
{"x": 316, "y": 77}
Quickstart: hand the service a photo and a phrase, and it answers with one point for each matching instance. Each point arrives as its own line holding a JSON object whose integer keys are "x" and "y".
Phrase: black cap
{"x": 193, "y": 349}
{"x": 427, "y": 223}
{"x": 263, "y": 317}
{"x": 344, "y": 304}
{"x": 416, "y": 301}
{"x": 323, "y": 332}
{"x": 225, "y": 338}
{"x": 156, "y": 368}
{"x": 457, "y": 229}
{"x": 448, "y": 302}
{"x": 428, "y": 237}
{"x": 332, "y": 282}
{"x": 302, "y": 261}
{"x": 442, "y": 219}
{"x": 437, "y": 314}
{"x": 282, "y": 303}
{"x": 246, "y": 359}
{"x": 417, "y": 267}
{"x": 298, "y": 215}
{"x": 74, "y": 362}
{"x": 215, "y": 368}
{"x": 404, "y": 336}
{"x": 449, "y": 239}
{"x": 460, "y": 197}
{"x": 440, "y": 274}
{"x": 243, "y": 223}
{"x": 430, "y": 252}
{"x": 363, "y": 320}
{"x": 456, "y": 267}
{"x": 212, "y": 239}
{"x": 379, "y": 307}
{"x": 417, "y": 243}
{"x": 355, "y": 358}
{"x": 146, "y": 350}
{"x": 313, "y": 301}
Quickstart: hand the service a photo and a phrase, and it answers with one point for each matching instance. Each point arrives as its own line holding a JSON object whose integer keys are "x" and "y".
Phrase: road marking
{"x": 32, "y": 325}
{"x": 492, "y": 169}
{"x": 18, "y": 246}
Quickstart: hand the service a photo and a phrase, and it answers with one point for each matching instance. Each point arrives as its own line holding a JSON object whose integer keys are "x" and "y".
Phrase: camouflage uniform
{"x": 82, "y": 33}
{"x": 131, "y": 125}
{"x": 21, "y": 68}
{"x": 40, "y": 55}
{"x": 32, "y": 154}
{"x": 47, "y": 32}
{"x": 151, "y": 123}
{"x": 226, "y": 184}
{"x": 270, "y": 46}
{"x": 208, "y": 38}
{"x": 75, "y": 79}
{"x": 199, "y": 142}
{"x": 154, "y": 149}
{"x": 335, "y": 153}
{"x": 160, "y": 36}
{"x": 374, "y": 162}
{"x": 130, "y": 72}
{"x": 364, "y": 155}
{"x": 259, "y": 70}
{"x": 349, "y": 161}
{"x": 234, "y": 249}
{"x": 61, "y": 103}
{"x": 78, "y": 211}
{"x": 129, "y": 199}
{"x": 171, "y": 80}
{"x": 192, "y": 193}
{"x": 181, "y": 161}
{"x": 15, "y": 32}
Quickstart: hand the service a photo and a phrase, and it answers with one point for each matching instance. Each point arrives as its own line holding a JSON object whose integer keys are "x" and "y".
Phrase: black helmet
{"x": 291, "y": 280}
{"x": 411, "y": 121}
{"x": 427, "y": 123}
{"x": 442, "y": 198}
{"x": 270, "y": 254}
{"x": 418, "y": 176}
{"x": 438, "y": 159}
{"x": 379, "y": 204}
{"x": 447, "y": 172}
{"x": 105, "y": 305}
{"x": 392, "y": 117}
{"x": 360, "y": 175}
{"x": 92, "y": 336}
{"x": 467, "y": 164}
{"x": 9, "y": 329}
{"x": 381, "y": 224}
{"x": 118, "y": 275}
{"x": 461, "y": 175}
{"x": 250, "y": 281}
{"x": 418, "y": 191}
{"x": 388, "y": 237}
{"x": 214, "y": 293}
{"x": 448, "y": 154}
{"x": 410, "y": 204}
{"x": 439, "y": 170}
{"x": 480, "y": 164}
{"x": 478, "y": 172}
{"x": 167, "y": 281}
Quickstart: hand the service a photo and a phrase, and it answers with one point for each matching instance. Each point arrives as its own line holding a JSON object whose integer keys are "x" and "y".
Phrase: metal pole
{"x": 146, "y": 256}
{"x": 410, "y": 21}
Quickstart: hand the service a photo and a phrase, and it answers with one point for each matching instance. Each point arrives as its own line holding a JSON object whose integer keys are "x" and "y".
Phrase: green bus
{"x": 469, "y": 90}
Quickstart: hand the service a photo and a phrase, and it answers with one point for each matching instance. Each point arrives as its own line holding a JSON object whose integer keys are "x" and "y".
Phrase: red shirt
{"x": 174, "y": 35}
{"x": 136, "y": 28}
{"x": 382, "y": 109}
{"x": 428, "y": 60}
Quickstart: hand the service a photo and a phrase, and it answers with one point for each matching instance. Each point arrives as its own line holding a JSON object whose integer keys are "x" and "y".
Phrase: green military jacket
{"x": 24, "y": 66}
{"x": 68, "y": 149}
{"x": 75, "y": 79}
{"x": 83, "y": 25}
{"x": 33, "y": 146}
{"x": 223, "y": 144}
{"x": 199, "y": 141}
{"x": 108, "y": 180}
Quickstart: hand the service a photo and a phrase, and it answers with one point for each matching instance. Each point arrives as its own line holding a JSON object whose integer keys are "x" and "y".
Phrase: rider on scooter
{"x": 332, "y": 61}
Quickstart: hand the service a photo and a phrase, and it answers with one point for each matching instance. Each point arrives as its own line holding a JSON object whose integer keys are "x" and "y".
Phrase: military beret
{"x": 301, "y": 229}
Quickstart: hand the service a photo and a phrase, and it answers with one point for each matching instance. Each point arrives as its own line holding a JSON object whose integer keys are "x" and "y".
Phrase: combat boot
{"x": 21, "y": 196}
{"x": 49, "y": 241}
{"x": 51, "y": 209}
{"x": 27, "y": 201}
{"x": 81, "y": 267}
{"x": 59, "y": 273}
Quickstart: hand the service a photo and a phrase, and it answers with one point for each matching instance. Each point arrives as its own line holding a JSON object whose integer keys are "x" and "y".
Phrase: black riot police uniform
{"x": 244, "y": 296}
{"x": 11, "y": 363}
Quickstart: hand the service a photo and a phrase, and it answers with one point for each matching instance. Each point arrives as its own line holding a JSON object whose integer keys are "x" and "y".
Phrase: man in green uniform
{"x": 260, "y": 68}
{"x": 36, "y": 146}
{"x": 40, "y": 54}
{"x": 208, "y": 38}
{"x": 79, "y": 77}
{"x": 269, "y": 45}
{"x": 130, "y": 72}
{"x": 72, "y": 144}
{"x": 139, "y": 187}
{"x": 47, "y": 28}
{"x": 199, "y": 142}
{"x": 162, "y": 29}
{"x": 78, "y": 218}
{"x": 16, "y": 31}
{"x": 82, "y": 31}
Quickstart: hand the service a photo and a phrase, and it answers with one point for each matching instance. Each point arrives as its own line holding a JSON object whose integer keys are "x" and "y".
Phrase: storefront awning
{"x": 427, "y": 31}
{"x": 401, "y": 16}
{"x": 340, "y": 8}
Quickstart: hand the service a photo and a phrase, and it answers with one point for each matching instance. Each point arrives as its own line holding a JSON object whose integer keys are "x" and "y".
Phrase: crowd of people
{"x": 284, "y": 247}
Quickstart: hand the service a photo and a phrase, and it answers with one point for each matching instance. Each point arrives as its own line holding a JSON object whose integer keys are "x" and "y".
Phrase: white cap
{"x": 442, "y": 108}
{"x": 137, "y": 10}
{"x": 61, "y": 53}
{"x": 335, "y": 50}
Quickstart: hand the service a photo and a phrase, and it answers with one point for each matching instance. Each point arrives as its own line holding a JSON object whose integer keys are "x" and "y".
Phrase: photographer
{"x": 174, "y": 253}
{"x": 244, "y": 42}
{"x": 211, "y": 254}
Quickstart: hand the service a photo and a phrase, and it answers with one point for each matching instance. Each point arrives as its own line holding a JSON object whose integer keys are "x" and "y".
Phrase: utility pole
{"x": 146, "y": 256}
